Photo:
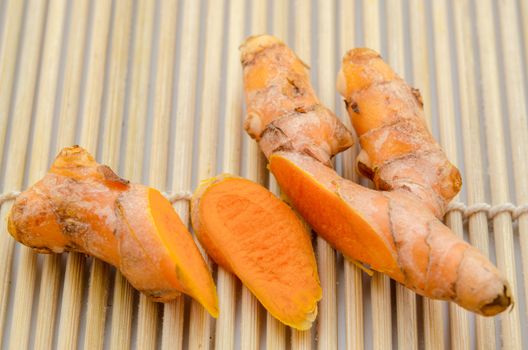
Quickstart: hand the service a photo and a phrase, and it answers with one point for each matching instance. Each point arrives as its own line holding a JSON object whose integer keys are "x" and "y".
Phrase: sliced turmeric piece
{"x": 396, "y": 231}
{"x": 253, "y": 234}
{"x": 85, "y": 207}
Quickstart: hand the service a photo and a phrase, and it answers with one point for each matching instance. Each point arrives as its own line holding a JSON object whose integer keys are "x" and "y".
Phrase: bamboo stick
{"x": 327, "y": 325}
{"x": 405, "y": 298}
{"x": 524, "y": 21}
{"x": 353, "y": 298}
{"x": 50, "y": 281}
{"x": 40, "y": 151}
{"x": 91, "y": 112}
{"x": 502, "y": 223}
{"x": 302, "y": 340}
{"x": 474, "y": 177}
{"x": 161, "y": 116}
{"x": 518, "y": 120}
{"x": 275, "y": 330}
{"x": 173, "y": 313}
{"x": 134, "y": 154}
{"x": 73, "y": 282}
{"x": 200, "y": 322}
{"x": 419, "y": 54}
{"x": 432, "y": 309}
{"x": 226, "y": 323}
{"x": 446, "y": 115}
{"x": 121, "y": 326}
{"x": 111, "y": 140}
{"x": 255, "y": 172}
{"x": 281, "y": 15}
{"x": 17, "y": 151}
{"x": 380, "y": 284}
{"x": 14, "y": 10}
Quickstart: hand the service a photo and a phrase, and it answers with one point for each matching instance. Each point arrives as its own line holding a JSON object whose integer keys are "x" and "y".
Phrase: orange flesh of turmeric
{"x": 396, "y": 232}
{"x": 253, "y": 234}
{"x": 83, "y": 206}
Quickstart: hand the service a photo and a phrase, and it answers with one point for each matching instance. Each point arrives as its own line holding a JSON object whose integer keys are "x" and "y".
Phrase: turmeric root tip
{"x": 253, "y": 234}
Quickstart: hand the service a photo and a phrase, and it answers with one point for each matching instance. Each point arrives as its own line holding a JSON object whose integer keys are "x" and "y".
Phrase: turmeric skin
{"x": 283, "y": 111}
{"x": 84, "y": 206}
{"x": 397, "y": 231}
{"x": 398, "y": 151}
{"x": 253, "y": 234}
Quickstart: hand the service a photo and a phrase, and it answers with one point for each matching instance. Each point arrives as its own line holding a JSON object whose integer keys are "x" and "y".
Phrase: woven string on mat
{"x": 466, "y": 210}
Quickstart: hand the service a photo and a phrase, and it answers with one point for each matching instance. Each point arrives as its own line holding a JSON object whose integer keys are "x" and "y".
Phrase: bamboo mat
{"x": 154, "y": 90}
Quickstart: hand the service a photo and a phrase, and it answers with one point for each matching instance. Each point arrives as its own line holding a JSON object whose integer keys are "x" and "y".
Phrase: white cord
{"x": 491, "y": 211}
{"x": 178, "y": 196}
{"x": 466, "y": 210}
{"x": 8, "y": 197}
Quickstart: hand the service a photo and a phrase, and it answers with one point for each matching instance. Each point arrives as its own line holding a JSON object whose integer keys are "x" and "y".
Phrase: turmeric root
{"x": 398, "y": 151}
{"x": 253, "y": 234}
{"x": 283, "y": 112}
{"x": 84, "y": 206}
{"x": 396, "y": 231}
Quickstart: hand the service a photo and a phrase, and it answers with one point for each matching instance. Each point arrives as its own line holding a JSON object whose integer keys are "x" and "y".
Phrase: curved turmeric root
{"x": 283, "y": 112}
{"x": 253, "y": 234}
{"x": 85, "y": 207}
{"x": 393, "y": 233}
{"x": 396, "y": 232}
{"x": 398, "y": 151}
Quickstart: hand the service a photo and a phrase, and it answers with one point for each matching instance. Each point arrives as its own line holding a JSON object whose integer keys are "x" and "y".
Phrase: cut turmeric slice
{"x": 253, "y": 234}
{"x": 85, "y": 207}
{"x": 397, "y": 231}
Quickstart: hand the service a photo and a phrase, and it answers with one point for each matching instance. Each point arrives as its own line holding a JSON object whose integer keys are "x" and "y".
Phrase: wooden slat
{"x": 432, "y": 309}
{"x": 225, "y": 325}
{"x": 121, "y": 326}
{"x": 69, "y": 311}
{"x": 254, "y": 171}
{"x": 200, "y": 321}
{"x": 122, "y": 308}
{"x": 502, "y": 223}
{"x": 8, "y": 57}
{"x": 302, "y": 340}
{"x": 135, "y": 139}
{"x": 405, "y": 298}
{"x": 173, "y": 313}
{"x": 380, "y": 284}
{"x": 144, "y": 36}
{"x": 447, "y": 120}
{"x": 159, "y": 144}
{"x": 40, "y": 150}
{"x": 91, "y": 112}
{"x": 524, "y": 21}
{"x": 353, "y": 298}
{"x": 518, "y": 120}
{"x": 255, "y": 161}
{"x": 22, "y": 109}
{"x": 327, "y": 324}
{"x": 276, "y": 330}
{"x": 474, "y": 172}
